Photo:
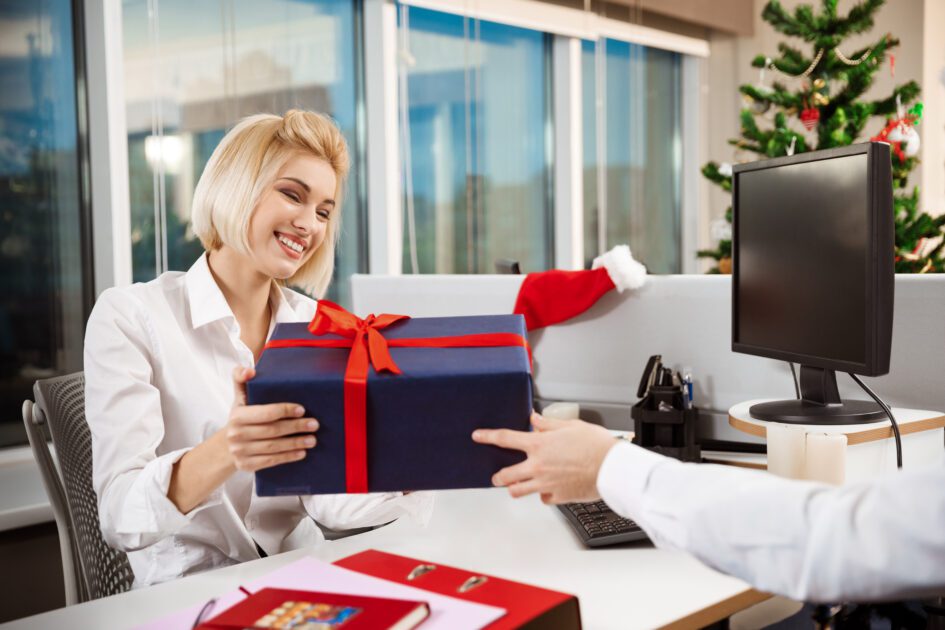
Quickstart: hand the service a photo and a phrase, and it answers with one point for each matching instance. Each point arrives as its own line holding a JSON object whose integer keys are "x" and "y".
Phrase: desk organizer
{"x": 671, "y": 431}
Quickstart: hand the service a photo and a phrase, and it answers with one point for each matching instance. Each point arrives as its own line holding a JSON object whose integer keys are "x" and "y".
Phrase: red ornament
{"x": 891, "y": 124}
{"x": 810, "y": 116}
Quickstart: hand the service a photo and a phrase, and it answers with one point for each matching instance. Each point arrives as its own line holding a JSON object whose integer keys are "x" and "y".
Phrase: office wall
{"x": 933, "y": 95}
{"x": 729, "y": 66}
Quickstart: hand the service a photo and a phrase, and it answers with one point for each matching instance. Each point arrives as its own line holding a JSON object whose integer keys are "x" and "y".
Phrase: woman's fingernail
{"x": 299, "y": 410}
{"x": 310, "y": 441}
{"x": 476, "y": 435}
{"x": 312, "y": 425}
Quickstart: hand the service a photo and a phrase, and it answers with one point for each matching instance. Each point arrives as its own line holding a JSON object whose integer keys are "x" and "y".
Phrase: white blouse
{"x": 159, "y": 360}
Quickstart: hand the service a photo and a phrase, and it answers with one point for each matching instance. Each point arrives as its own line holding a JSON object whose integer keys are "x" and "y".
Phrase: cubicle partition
{"x": 597, "y": 358}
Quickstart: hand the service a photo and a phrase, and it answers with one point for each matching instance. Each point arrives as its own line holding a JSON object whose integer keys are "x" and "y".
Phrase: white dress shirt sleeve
{"x": 123, "y": 410}
{"x": 804, "y": 540}
{"x": 350, "y": 511}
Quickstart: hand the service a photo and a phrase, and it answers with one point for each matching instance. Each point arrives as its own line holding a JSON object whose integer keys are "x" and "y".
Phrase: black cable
{"x": 892, "y": 419}
{"x": 797, "y": 388}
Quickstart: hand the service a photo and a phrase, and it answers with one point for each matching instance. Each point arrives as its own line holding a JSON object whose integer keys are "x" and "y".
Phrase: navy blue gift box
{"x": 419, "y": 422}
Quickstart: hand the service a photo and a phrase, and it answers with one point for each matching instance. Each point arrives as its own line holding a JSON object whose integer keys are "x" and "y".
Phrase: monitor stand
{"x": 819, "y": 403}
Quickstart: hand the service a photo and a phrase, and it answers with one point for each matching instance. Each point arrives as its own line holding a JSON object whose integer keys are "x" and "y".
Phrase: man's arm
{"x": 879, "y": 540}
{"x": 871, "y": 541}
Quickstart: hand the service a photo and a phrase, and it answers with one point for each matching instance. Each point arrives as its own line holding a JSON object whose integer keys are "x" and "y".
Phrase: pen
{"x": 687, "y": 381}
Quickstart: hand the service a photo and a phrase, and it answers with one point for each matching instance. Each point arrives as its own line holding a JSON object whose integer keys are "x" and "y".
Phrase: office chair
{"x": 90, "y": 567}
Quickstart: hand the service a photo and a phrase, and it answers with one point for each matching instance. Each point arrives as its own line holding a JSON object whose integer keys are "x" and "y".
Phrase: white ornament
{"x": 725, "y": 169}
{"x": 721, "y": 230}
{"x": 760, "y": 107}
{"x": 897, "y": 134}
{"x": 908, "y": 138}
{"x": 911, "y": 142}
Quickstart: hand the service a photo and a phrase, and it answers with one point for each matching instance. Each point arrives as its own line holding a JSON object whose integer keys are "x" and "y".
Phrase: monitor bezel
{"x": 871, "y": 269}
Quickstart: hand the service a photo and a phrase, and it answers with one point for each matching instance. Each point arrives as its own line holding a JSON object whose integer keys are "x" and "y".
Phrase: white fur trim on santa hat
{"x": 626, "y": 272}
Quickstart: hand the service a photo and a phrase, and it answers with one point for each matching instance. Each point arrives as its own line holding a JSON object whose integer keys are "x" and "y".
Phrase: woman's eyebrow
{"x": 299, "y": 182}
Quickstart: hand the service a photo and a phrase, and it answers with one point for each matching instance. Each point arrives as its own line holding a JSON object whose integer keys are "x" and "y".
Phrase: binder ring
{"x": 419, "y": 570}
{"x": 472, "y": 583}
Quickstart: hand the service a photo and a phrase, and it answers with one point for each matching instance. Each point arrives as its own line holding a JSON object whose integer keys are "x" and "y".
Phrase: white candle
{"x": 786, "y": 450}
{"x": 826, "y": 458}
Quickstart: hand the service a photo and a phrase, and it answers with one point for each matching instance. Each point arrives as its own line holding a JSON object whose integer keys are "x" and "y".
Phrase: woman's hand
{"x": 254, "y": 437}
{"x": 260, "y": 436}
{"x": 564, "y": 457}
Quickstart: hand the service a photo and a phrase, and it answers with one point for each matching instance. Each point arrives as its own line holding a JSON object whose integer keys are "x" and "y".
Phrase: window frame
{"x": 568, "y": 27}
{"x": 108, "y": 144}
{"x": 111, "y": 223}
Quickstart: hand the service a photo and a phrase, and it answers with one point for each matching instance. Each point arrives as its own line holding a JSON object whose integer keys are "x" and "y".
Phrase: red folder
{"x": 281, "y": 608}
{"x": 527, "y": 606}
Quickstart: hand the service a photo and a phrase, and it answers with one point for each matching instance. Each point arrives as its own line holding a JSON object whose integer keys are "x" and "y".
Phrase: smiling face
{"x": 291, "y": 219}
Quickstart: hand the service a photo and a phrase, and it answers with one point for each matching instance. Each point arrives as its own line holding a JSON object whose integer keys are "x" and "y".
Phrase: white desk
{"x": 631, "y": 586}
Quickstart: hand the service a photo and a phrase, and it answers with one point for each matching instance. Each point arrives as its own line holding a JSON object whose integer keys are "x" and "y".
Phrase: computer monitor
{"x": 812, "y": 255}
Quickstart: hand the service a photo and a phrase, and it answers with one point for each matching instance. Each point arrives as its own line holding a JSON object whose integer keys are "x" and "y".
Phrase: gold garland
{"x": 817, "y": 58}
{"x": 851, "y": 62}
{"x": 806, "y": 73}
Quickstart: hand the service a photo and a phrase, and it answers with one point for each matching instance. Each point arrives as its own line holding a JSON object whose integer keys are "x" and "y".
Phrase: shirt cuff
{"x": 160, "y": 480}
{"x": 418, "y": 507}
{"x": 624, "y": 475}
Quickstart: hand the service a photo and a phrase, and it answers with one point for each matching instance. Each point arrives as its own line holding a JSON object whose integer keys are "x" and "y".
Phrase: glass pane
{"x": 193, "y": 69}
{"x": 642, "y": 103}
{"x": 44, "y": 267}
{"x": 479, "y": 121}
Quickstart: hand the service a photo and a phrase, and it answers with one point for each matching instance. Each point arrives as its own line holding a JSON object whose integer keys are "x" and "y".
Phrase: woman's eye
{"x": 291, "y": 195}
{"x": 324, "y": 214}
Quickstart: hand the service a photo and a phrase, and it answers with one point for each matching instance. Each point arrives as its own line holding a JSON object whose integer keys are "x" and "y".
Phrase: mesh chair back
{"x": 38, "y": 433}
{"x": 105, "y": 571}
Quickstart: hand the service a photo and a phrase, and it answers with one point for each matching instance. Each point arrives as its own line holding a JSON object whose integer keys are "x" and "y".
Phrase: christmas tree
{"x": 824, "y": 90}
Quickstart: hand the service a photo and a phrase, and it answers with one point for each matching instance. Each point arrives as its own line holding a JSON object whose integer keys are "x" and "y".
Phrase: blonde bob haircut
{"x": 246, "y": 163}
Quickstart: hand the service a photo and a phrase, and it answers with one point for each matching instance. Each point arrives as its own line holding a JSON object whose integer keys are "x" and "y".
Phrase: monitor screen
{"x": 803, "y": 248}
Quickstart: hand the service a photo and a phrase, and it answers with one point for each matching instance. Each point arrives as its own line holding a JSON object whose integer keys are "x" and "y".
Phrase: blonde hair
{"x": 242, "y": 167}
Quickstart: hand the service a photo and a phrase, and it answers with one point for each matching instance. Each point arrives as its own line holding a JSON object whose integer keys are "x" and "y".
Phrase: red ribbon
{"x": 370, "y": 347}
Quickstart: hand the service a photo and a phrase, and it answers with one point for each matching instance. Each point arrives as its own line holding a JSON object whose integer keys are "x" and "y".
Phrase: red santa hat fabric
{"x": 551, "y": 297}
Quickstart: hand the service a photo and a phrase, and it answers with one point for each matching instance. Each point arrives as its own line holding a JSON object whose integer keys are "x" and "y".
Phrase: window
{"x": 193, "y": 69}
{"x": 477, "y": 119}
{"x": 632, "y": 151}
{"x": 45, "y": 263}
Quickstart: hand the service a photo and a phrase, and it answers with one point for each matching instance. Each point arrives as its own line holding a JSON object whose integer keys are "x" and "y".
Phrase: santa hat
{"x": 550, "y": 297}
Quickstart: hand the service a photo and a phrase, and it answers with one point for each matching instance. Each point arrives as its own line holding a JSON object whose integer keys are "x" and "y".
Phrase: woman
{"x": 174, "y": 443}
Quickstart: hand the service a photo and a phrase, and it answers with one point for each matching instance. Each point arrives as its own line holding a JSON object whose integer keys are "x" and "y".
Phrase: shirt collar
{"x": 282, "y": 309}
{"x": 207, "y": 303}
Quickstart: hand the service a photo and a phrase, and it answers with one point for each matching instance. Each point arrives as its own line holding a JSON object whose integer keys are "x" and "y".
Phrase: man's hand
{"x": 564, "y": 457}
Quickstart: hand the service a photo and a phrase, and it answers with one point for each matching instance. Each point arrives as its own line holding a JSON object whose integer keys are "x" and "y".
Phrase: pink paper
{"x": 315, "y": 575}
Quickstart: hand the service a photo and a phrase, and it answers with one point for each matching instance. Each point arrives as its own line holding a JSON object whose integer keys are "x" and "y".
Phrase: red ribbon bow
{"x": 370, "y": 347}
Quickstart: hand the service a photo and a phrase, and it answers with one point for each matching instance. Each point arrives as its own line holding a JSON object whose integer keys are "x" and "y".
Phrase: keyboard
{"x": 598, "y": 525}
